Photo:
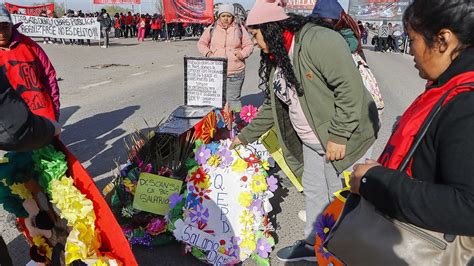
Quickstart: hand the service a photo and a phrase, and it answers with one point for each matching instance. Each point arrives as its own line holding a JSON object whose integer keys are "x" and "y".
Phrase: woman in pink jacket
{"x": 230, "y": 40}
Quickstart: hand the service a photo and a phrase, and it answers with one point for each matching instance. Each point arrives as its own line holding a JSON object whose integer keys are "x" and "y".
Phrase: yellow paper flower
{"x": 239, "y": 166}
{"x": 259, "y": 184}
{"x": 42, "y": 245}
{"x": 214, "y": 161}
{"x": 245, "y": 199}
{"x": 247, "y": 219}
{"x": 204, "y": 184}
{"x": 266, "y": 165}
{"x": 130, "y": 186}
{"x": 20, "y": 190}
{"x": 83, "y": 241}
{"x": 248, "y": 239}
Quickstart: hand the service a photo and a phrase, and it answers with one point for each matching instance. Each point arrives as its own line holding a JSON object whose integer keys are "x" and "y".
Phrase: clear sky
{"x": 85, "y": 5}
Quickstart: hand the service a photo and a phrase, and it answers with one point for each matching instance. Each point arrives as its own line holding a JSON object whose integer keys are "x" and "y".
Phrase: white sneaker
{"x": 302, "y": 215}
{"x": 103, "y": 46}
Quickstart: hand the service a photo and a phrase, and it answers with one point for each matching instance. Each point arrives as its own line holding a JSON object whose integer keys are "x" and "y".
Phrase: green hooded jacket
{"x": 335, "y": 102}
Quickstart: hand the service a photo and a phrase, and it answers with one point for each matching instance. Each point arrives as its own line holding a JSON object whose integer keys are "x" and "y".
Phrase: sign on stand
{"x": 205, "y": 81}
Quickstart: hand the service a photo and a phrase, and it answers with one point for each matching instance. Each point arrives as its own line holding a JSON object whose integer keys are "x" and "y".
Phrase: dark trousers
{"x": 383, "y": 42}
{"x": 128, "y": 30}
{"x": 5, "y": 259}
{"x": 156, "y": 34}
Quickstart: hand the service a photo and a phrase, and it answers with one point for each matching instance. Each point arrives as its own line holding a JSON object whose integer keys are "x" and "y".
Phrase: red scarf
{"x": 410, "y": 123}
{"x": 287, "y": 40}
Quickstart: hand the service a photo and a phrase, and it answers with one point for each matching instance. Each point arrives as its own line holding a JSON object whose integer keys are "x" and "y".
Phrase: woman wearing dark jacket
{"x": 436, "y": 191}
{"x": 20, "y": 130}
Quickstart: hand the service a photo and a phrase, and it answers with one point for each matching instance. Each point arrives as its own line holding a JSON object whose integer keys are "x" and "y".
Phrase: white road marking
{"x": 168, "y": 66}
{"x": 139, "y": 73}
{"x": 96, "y": 84}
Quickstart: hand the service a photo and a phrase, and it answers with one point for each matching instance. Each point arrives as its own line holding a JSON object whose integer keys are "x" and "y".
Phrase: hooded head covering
{"x": 327, "y": 9}
{"x": 265, "y": 11}
{"x": 226, "y": 8}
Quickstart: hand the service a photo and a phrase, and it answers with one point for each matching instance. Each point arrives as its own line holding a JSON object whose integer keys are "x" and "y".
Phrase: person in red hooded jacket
{"x": 28, "y": 69}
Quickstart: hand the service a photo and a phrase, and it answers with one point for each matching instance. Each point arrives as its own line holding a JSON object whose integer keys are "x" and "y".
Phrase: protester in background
{"x": 141, "y": 28}
{"x": 383, "y": 34}
{"x": 397, "y": 33}
{"x": 435, "y": 191}
{"x": 364, "y": 32}
{"x": 116, "y": 25}
{"x": 228, "y": 39}
{"x": 122, "y": 25}
{"x": 128, "y": 25}
{"x": 135, "y": 20}
{"x": 147, "y": 25}
{"x": 327, "y": 119}
{"x": 28, "y": 69}
{"x": 105, "y": 26}
{"x": 156, "y": 27}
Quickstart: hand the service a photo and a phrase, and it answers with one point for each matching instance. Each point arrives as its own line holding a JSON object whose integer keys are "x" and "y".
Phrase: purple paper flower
{"x": 263, "y": 248}
{"x": 199, "y": 214}
{"x": 202, "y": 155}
{"x": 272, "y": 183}
{"x": 174, "y": 199}
{"x": 324, "y": 224}
{"x": 226, "y": 156}
{"x": 256, "y": 206}
{"x": 234, "y": 240}
{"x": 324, "y": 252}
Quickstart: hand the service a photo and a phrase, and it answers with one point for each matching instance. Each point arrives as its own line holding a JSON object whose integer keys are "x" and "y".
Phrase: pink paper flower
{"x": 248, "y": 113}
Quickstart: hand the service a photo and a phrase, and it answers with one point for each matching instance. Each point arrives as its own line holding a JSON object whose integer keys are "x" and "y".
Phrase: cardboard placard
{"x": 153, "y": 192}
{"x": 205, "y": 81}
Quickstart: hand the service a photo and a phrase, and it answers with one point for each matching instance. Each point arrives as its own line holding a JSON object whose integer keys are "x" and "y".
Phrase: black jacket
{"x": 441, "y": 195}
{"x": 105, "y": 23}
{"x": 19, "y": 128}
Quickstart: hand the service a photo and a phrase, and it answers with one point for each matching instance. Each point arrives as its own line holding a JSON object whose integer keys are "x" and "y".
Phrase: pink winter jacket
{"x": 224, "y": 43}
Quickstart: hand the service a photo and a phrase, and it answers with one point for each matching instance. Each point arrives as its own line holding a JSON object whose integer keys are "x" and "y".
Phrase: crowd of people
{"x": 128, "y": 25}
{"x": 322, "y": 110}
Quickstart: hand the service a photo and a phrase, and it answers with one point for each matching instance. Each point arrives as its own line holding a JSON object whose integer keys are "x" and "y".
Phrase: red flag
{"x": 191, "y": 11}
{"x": 29, "y": 10}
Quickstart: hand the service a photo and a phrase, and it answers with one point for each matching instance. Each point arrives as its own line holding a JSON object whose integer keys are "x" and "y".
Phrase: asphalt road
{"x": 107, "y": 94}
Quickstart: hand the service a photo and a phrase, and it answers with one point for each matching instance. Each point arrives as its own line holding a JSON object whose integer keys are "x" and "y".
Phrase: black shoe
{"x": 298, "y": 252}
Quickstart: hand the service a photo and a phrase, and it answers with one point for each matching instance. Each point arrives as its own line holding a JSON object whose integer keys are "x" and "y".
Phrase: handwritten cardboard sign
{"x": 153, "y": 192}
{"x": 205, "y": 81}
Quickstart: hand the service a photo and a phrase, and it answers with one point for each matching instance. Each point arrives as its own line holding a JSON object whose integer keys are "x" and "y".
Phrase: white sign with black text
{"x": 61, "y": 28}
{"x": 205, "y": 81}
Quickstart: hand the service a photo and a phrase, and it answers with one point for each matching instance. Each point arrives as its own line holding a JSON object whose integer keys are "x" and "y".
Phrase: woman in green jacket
{"x": 325, "y": 119}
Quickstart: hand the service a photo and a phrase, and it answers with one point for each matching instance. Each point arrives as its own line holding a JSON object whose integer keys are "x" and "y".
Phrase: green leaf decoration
{"x": 199, "y": 254}
{"x": 50, "y": 163}
{"x": 260, "y": 261}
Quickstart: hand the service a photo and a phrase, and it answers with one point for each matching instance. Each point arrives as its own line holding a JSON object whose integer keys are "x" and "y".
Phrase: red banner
{"x": 29, "y": 10}
{"x": 190, "y": 11}
{"x": 117, "y": 2}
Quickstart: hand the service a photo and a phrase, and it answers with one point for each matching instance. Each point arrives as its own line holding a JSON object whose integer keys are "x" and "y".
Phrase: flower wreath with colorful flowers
{"x": 225, "y": 207}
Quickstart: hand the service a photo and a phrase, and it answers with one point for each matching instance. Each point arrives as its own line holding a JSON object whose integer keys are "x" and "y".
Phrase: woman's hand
{"x": 235, "y": 142}
{"x": 335, "y": 152}
{"x": 359, "y": 171}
